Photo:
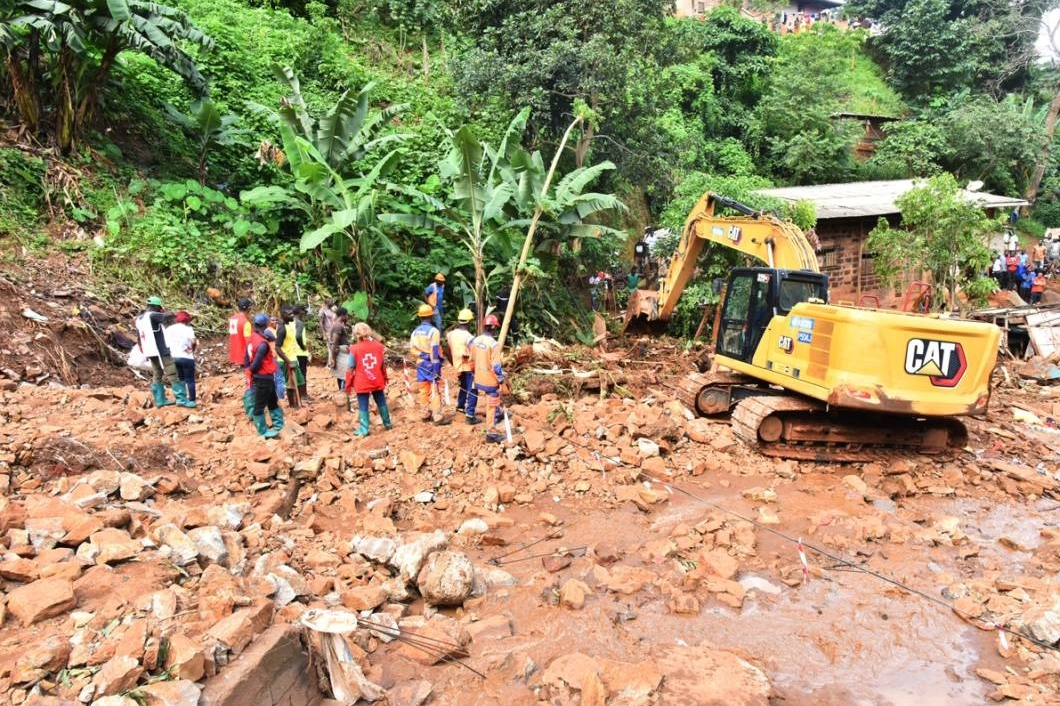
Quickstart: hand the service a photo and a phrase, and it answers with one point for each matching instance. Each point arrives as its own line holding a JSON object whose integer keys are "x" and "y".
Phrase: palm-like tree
{"x": 59, "y": 55}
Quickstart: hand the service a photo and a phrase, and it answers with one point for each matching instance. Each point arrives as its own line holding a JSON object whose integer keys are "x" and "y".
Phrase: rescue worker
{"x": 425, "y": 349}
{"x": 339, "y": 347}
{"x": 303, "y": 357}
{"x": 150, "y": 327}
{"x": 180, "y": 337}
{"x": 287, "y": 343}
{"x": 369, "y": 377}
{"x": 239, "y": 332}
{"x": 261, "y": 364}
{"x": 460, "y": 358}
{"x": 489, "y": 376}
{"x": 433, "y": 295}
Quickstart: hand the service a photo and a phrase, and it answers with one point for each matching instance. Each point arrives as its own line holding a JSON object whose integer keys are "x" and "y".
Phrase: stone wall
{"x": 273, "y": 671}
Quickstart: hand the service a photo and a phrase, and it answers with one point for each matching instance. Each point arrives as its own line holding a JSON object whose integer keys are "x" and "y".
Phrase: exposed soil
{"x": 676, "y": 575}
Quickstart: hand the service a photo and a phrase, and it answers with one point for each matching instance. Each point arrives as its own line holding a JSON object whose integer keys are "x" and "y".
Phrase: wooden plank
{"x": 1043, "y": 329}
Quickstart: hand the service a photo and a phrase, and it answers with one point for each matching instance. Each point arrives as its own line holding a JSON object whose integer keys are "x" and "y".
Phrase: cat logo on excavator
{"x": 943, "y": 362}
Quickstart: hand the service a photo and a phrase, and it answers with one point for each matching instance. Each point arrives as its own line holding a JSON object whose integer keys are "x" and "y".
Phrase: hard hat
{"x": 154, "y": 301}
{"x": 439, "y": 277}
{"x": 491, "y": 321}
{"x": 465, "y": 316}
{"x": 425, "y": 310}
{"x": 261, "y": 319}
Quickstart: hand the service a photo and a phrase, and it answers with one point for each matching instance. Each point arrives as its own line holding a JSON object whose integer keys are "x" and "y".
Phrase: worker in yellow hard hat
{"x": 459, "y": 340}
{"x": 425, "y": 349}
{"x": 434, "y": 295}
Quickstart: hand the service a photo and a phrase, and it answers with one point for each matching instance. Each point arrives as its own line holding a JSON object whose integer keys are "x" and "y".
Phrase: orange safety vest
{"x": 459, "y": 340}
{"x": 486, "y": 355}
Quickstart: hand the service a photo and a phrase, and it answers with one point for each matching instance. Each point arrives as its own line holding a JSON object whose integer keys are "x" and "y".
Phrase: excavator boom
{"x": 775, "y": 242}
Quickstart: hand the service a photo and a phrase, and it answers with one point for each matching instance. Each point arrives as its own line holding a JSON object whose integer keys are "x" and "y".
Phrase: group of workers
{"x": 274, "y": 356}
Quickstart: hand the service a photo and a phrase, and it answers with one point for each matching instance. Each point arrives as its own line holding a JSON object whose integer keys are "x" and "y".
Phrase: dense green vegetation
{"x": 359, "y": 147}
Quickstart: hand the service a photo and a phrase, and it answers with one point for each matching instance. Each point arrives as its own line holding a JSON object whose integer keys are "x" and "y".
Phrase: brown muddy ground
{"x": 675, "y": 572}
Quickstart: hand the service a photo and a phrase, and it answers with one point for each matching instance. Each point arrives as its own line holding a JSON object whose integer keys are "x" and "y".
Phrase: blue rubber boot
{"x": 276, "y": 415}
{"x": 262, "y": 427}
{"x": 180, "y": 391}
{"x": 159, "y": 392}
{"x": 362, "y": 428}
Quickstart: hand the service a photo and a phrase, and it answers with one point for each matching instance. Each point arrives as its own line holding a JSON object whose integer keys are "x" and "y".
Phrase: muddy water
{"x": 843, "y": 637}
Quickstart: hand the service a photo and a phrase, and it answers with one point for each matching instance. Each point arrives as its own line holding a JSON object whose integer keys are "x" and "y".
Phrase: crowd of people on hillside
{"x": 1027, "y": 274}
{"x": 273, "y": 354}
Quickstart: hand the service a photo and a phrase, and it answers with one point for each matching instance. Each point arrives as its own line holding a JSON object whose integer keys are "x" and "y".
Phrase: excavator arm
{"x": 777, "y": 243}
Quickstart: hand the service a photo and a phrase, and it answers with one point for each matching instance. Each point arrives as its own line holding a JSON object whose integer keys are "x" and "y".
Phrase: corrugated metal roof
{"x": 869, "y": 198}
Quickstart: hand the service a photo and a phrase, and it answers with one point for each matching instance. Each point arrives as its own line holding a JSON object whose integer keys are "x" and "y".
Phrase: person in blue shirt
{"x": 434, "y": 296}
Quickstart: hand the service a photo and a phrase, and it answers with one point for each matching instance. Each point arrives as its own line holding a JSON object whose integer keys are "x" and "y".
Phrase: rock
{"x": 119, "y": 673}
{"x": 494, "y": 627}
{"x": 534, "y": 441}
{"x": 184, "y": 657}
{"x": 379, "y": 549}
{"x": 446, "y": 578}
{"x": 571, "y": 669}
{"x": 210, "y": 544}
{"x": 133, "y": 487}
{"x": 361, "y": 598}
{"x": 409, "y": 693}
{"x": 856, "y": 483}
{"x": 628, "y": 579}
{"x": 240, "y": 628}
{"x": 572, "y": 594}
{"x": 1044, "y": 623}
{"x": 408, "y": 558}
{"x": 115, "y": 700}
{"x": 50, "y": 655}
{"x": 719, "y": 563}
{"x": 180, "y": 692}
{"x": 647, "y": 447}
{"x": 705, "y": 676}
{"x": 41, "y": 599}
{"x": 19, "y": 570}
{"x": 183, "y": 550}
{"x": 113, "y": 545}
{"x": 700, "y": 430}
{"x": 473, "y": 526}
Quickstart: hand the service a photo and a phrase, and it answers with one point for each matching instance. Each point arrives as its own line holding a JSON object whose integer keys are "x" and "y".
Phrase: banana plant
{"x": 205, "y": 124}
{"x": 337, "y": 175}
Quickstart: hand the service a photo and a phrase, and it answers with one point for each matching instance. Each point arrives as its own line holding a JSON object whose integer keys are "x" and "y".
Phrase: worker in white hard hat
{"x": 459, "y": 340}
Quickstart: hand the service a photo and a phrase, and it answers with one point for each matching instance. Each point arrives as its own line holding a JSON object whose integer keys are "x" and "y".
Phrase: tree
{"x": 59, "y": 55}
{"x": 338, "y": 175}
{"x": 938, "y": 47}
{"x": 491, "y": 193}
{"x": 205, "y": 124}
{"x": 943, "y": 232}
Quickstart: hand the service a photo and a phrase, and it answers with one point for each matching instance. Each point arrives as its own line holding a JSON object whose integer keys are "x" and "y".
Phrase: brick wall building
{"x": 846, "y": 214}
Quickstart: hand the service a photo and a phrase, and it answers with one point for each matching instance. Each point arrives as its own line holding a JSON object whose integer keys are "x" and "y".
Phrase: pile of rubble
{"x": 142, "y": 550}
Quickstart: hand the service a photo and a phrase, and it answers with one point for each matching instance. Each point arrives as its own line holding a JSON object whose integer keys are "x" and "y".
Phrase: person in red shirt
{"x": 1037, "y": 287}
{"x": 1012, "y": 263}
{"x": 367, "y": 376}
{"x": 261, "y": 365}
{"x": 239, "y": 333}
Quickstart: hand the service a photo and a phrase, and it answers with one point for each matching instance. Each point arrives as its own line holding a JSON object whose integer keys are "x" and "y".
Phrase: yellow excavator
{"x": 806, "y": 379}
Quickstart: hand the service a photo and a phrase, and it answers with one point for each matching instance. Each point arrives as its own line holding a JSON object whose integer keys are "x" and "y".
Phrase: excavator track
{"x": 787, "y": 426}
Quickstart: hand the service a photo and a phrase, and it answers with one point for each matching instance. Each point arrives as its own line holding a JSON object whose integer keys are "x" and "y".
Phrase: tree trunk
{"x": 426, "y": 61}
{"x": 1043, "y": 158}
{"x": 65, "y": 112}
{"x": 89, "y": 99}
{"x": 517, "y": 280}
{"x": 25, "y": 96}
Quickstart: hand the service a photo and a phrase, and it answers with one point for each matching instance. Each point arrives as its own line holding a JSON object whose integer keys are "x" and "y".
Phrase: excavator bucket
{"x": 642, "y": 312}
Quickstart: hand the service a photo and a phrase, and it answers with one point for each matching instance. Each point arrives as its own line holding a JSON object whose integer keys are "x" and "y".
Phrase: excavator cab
{"x": 753, "y": 296}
